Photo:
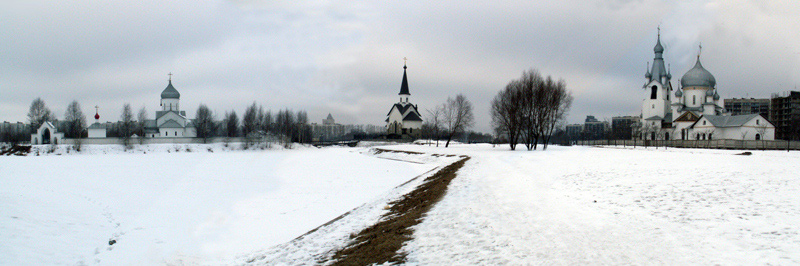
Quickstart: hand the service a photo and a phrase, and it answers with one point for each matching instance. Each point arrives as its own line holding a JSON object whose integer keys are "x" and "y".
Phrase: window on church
{"x": 653, "y": 92}
{"x": 704, "y": 122}
{"x": 756, "y": 121}
{"x": 694, "y": 99}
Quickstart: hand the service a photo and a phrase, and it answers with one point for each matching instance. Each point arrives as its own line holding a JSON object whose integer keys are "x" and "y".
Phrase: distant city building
{"x": 329, "y": 130}
{"x": 695, "y": 111}
{"x": 745, "y": 106}
{"x": 622, "y": 126}
{"x": 403, "y": 118}
{"x": 594, "y": 129}
{"x": 329, "y": 120}
{"x": 784, "y": 113}
{"x": 574, "y": 131}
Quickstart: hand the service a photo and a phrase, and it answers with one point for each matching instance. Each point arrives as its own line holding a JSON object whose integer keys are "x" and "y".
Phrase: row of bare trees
{"x": 449, "y": 119}
{"x": 256, "y": 123}
{"x": 530, "y": 108}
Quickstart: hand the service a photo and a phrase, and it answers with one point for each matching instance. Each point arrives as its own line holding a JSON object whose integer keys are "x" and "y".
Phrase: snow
{"x": 676, "y": 206}
{"x": 168, "y": 207}
{"x": 566, "y": 205}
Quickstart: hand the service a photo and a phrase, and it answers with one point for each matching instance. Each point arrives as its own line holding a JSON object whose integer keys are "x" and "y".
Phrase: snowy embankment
{"x": 580, "y": 205}
{"x": 183, "y": 204}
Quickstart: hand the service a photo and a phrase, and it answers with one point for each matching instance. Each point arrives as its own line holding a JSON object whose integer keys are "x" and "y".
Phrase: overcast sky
{"x": 346, "y": 57}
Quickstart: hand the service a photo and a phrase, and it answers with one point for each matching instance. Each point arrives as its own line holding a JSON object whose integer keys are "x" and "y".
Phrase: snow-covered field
{"x": 566, "y": 205}
{"x": 580, "y": 205}
{"x": 168, "y": 207}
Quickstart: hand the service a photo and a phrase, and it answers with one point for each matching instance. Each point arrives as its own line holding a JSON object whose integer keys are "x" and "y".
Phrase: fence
{"x": 707, "y": 144}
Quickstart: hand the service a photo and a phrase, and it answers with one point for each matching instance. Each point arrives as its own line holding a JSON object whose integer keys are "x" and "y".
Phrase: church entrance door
{"x": 46, "y": 136}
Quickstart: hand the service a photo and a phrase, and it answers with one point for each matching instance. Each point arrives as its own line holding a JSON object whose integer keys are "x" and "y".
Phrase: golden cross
{"x": 170, "y": 76}
{"x": 404, "y": 60}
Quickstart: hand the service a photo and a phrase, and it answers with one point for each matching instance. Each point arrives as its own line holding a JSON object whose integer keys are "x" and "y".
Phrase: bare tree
{"x": 558, "y": 102}
{"x": 204, "y": 123}
{"x": 38, "y": 114}
{"x": 266, "y": 122}
{"x": 435, "y": 120}
{"x": 75, "y": 122}
{"x": 506, "y": 112}
{"x": 231, "y": 124}
{"x": 285, "y": 126}
{"x": 303, "y": 129}
{"x": 761, "y": 130}
{"x": 458, "y": 116}
{"x": 249, "y": 120}
{"x": 126, "y": 126}
{"x": 141, "y": 123}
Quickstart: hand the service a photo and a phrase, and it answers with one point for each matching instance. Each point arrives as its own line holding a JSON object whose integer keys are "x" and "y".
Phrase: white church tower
{"x": 656, "y": 107}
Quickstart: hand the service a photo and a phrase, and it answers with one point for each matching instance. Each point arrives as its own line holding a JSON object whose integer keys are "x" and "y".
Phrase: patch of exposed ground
{"x": 381, "y": 242}
{"x": 16, "y": 150}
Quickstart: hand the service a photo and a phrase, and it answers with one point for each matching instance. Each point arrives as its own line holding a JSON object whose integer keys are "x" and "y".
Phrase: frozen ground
{"x": 567, "y": 205}
{"x": 580, "y": 205}
{"x": 168, "y": 207}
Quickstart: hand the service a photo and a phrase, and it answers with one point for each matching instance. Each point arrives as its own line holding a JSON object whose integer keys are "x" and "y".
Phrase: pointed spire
{"x": 404, "y": 85}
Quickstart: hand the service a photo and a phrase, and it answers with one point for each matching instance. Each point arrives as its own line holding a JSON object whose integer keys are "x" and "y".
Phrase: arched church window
{"x": 653, "y": 92}
{"x": 704, "y": 122}
{"x": 694, "y": 99}
{"x": 758, "y": 136}
{"x": 709, "y": 135}
{"x": 756, "y": 121}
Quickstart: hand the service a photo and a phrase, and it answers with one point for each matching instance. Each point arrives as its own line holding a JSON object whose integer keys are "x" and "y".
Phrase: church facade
{"x": 693, "y": 110}
{"x": 403, "y": 119}
{"x": 170, "y": 121}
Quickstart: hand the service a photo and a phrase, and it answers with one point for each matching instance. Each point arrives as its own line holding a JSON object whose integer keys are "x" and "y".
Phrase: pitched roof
{"x": 170, "y": 124}
{"x": 727, "y": 121}
{"x": 655, "y": 117}
{"x": 400, "y": 107}
{"x": 97, "y": 125}
{"x": 412, "y": 116}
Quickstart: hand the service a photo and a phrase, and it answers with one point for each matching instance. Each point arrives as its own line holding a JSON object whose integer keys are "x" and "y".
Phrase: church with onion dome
{"x": 693, "y": 110}
{"x": 170, "y": 122}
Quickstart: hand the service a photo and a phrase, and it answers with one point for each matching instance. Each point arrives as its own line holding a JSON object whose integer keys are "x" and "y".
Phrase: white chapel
{"x": 403, "y": 118}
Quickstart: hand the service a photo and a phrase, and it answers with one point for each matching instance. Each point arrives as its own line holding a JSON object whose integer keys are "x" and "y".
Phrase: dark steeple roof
{"x": 404, "y": 86}
{"x": 170, "y": 92}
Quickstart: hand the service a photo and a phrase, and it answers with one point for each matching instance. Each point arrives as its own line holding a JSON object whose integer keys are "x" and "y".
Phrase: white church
{"x": 403, "y": 119}
{"x": 170, "y": 122}
{"x": 694, "y": 113}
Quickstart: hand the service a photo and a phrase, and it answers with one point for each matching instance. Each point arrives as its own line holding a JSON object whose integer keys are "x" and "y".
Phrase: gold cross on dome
{"x": 170, "y": 76}
{"x": 404, "y": 60}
